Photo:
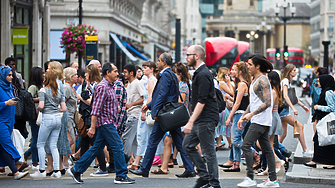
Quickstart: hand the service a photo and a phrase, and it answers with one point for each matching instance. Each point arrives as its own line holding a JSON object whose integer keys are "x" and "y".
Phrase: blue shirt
{"x": 330, "y": 99}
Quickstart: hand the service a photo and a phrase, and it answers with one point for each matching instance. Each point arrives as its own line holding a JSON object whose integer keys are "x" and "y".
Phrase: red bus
{"x": 221, "y": 51}
{"x": 296, "y": 57}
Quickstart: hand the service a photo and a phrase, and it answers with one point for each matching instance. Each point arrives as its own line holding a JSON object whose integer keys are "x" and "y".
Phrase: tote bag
{"x": 326, "y": 130}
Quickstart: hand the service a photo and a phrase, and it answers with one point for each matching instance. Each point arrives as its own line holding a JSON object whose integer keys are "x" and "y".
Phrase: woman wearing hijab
{"x": 326, "y": 104}
{"x": 8, "y": 153}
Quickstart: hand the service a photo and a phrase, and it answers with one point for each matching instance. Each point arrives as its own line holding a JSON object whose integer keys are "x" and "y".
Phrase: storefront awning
{"x": 118, "y": 42}
{"x": 166, "y": 49}
{"x": 136, "y": 52}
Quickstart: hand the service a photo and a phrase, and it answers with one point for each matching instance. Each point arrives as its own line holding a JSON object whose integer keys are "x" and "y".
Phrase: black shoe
{"x": 111, "y": 169}
{"x": 201, "y": 182}
{"x": 23, "y": 167}
{"x": 186, "y": 175}
{"x": 49, "y": 173}
{"x": 175, "y": 161}
{"x": 286, "y": 153}
{"x": 120, "y": 180}
{"x": 225, "y": 166}
{"x": 96, "y": 167}
{"x": 310, "y": 165}
{"x": 139, "y": 172}
{"x": 75, "y": 175}
{"x": 232, "y": 170}
{"x": 62, "y": 172}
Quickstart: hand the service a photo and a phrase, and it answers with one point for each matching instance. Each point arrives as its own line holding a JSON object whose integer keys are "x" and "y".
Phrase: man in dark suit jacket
{"x": 165, "y": 91}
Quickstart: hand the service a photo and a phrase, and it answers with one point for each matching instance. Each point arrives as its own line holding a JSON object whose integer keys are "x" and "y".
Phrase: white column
{"x": 6, "y": 31}
{"x": 264, "y": 43}
{"x": 46, "y": 31}
{"x": 36, "y": 36}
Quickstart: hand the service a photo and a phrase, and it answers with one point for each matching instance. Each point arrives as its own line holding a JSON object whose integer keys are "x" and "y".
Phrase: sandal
{"x": 287, "y": 164}
{"x": 220, "y": 147}
{"x": 159, "y": 171}
{"x": 262, "y": 169}
{"x": 133, "y": 167}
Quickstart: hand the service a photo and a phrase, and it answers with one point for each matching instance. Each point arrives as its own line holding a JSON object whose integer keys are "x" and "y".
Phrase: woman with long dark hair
{"x": 49, "y": 100}
{"x": 36, "y": 79}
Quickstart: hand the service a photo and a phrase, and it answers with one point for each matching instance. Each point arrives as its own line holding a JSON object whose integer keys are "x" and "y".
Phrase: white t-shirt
{"x": 134, "y": 93}
{"x": 285, "y": 82}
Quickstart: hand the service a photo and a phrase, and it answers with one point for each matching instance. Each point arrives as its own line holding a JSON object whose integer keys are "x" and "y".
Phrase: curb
{"x": 303, "y": 174}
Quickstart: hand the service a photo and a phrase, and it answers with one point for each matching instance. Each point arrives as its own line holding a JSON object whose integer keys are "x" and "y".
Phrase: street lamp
{"x": 252, "y": 35}
{"x": 285, "y": 5}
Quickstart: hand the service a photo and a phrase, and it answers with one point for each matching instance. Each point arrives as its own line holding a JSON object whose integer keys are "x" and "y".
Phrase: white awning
{"x": 166, "y": 49}
{"x": 116, "y": 39}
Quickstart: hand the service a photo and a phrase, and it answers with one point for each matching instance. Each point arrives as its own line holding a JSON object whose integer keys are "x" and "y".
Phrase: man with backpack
{"x": 201, "y": 125}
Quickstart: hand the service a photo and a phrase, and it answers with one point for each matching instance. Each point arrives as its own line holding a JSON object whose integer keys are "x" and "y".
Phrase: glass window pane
{"x": 19, "y": 15}
{"x": 19, "y": 49}
{"x": 26, "y": 16}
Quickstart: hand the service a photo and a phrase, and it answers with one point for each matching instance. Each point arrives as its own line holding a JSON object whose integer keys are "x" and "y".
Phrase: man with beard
{"x": 165, "y": 91}
{"x": 201, "y": 125}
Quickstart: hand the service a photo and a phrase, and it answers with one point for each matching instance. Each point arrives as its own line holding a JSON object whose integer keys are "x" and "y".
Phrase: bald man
{"x": 96, "y": 63}
{"x": 74, "y": 65}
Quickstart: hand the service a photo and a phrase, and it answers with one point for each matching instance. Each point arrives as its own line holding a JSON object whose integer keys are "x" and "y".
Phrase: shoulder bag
{"x": 172, "y": 115}
{"x": 293, "y": 97}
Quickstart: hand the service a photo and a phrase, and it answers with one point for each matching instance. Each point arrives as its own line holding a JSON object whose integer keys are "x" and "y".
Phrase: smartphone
{"x": 16, "y": 99}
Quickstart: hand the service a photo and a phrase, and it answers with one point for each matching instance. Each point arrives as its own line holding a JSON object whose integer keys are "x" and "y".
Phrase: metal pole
{"x": 325, "y": 53}
{"x": 80, "y": 22}
{"x": 284, "y": 19}
{"x": 178, "y": 48}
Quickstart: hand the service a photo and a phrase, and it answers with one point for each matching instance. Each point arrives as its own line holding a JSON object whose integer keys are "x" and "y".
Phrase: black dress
{"x": 323, "y": 154}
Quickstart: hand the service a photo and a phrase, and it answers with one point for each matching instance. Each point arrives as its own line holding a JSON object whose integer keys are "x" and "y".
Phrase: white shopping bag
{"x": 18, "y": 141}
{"x": 326, "y": 130}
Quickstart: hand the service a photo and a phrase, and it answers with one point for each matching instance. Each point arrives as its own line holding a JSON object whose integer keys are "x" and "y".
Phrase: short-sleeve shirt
{"x": 183, "y": 88}
{"x": 71, "y": 100}
{"x": 134, "y": 93}
{"x": 50, "y": 103}
{"x": 285, "y": 82}
{"x": 33, "y": 90}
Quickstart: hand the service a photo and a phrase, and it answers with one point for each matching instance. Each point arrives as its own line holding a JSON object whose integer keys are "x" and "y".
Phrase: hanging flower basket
{"x": 73, "y": 38}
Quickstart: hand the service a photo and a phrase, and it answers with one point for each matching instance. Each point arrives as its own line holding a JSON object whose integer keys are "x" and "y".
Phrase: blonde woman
{"x": 286, "y": 118}
{"x": 71, "y": 105}
{"x": 226, "y": 88}
{"x": 63, "y": 144}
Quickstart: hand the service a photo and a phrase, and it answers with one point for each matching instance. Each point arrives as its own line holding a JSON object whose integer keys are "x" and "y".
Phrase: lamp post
{"x": 263, "y": 32}
{"x": 252, "y": 35}
{"x": 285, "y": 5}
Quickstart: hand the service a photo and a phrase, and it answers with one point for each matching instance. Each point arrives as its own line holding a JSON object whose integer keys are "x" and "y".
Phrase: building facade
{"x": 21, "y": 33}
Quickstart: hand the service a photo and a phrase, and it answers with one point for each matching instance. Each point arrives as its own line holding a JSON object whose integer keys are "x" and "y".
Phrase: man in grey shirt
{"x": 134, "y": 103}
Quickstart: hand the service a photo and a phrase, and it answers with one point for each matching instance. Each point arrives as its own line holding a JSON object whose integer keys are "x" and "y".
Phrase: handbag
{"x": 82, "y": 128}
{"x": 292, "y": 96}
{"x": 296, "y": 132}
{"x": 172, "y": 115}
{"x": 326, "y": 130}
{"x": 18, "y": 142}
{"x": 39, "y": 119}
{"x": 77, "y": 116}
{"x": 148, "y": 118}
{"x": 229, "y": 103}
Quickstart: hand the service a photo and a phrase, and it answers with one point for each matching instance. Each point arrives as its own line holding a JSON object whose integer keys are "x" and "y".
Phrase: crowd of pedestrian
{"x": 100, "y": 114}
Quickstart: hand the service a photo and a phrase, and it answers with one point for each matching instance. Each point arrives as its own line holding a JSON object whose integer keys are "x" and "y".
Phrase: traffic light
{"x": 278, "y": 54}
{"x": 286, "y": 53}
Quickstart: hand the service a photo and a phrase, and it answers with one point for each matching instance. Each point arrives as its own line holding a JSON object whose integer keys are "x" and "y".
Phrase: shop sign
{"x": 20, "y": 36}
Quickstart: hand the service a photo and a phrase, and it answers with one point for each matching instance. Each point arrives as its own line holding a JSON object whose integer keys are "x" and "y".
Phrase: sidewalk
{"x": 308, "y": 175}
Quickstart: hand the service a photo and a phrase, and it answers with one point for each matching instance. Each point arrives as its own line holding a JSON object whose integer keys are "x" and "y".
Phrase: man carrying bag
{"x": 164, "y": 92}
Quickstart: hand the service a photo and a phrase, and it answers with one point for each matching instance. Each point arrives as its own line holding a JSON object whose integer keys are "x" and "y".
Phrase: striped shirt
{"x": 105, "y": 104}
{"x": 121, "y": 96}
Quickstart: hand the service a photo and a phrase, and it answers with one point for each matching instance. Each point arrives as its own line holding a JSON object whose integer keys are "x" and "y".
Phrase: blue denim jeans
{"x": 33, "y": 147}
{"x": 236, "y": 135}
{"x": 49, "y": 130}
{"x": 106, "y": 134}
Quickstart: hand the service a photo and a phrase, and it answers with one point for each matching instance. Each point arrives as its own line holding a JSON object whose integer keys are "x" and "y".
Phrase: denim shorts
{"x": 285, "y": 112}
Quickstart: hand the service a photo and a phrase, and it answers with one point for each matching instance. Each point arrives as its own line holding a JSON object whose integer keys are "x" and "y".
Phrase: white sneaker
{"x": 38, "y": 174}
{"x": 35, "y": 167}
{"x": 268, "y": 183}
{"x": 247, "y": 182}
{"x": 307, "y": 153}
{"x": 20, "y": 175}
{"x": 69, "y": 161}
{"x": 56, "y": 175}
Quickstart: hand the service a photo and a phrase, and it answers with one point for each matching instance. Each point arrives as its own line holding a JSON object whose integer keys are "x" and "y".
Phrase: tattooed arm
{"x": 262, "y": 89}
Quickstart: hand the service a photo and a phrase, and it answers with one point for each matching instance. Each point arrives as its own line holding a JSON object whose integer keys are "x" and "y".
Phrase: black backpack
{"x": 25, "y": 108}
{"x": 219, "y": 99}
